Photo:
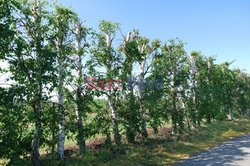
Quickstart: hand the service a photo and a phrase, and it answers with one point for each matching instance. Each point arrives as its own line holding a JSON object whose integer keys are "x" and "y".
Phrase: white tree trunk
{"x": 114, "y": 115}
{"x": 193, "y": 71}
{"x": 140, "y": 91}
{"x": 117, "y": 137}
{"x": 37, "y": 133}
{"x": 81, "y": 139}
{"x": 61, "y": 106}
{"x": 37, "y": 105}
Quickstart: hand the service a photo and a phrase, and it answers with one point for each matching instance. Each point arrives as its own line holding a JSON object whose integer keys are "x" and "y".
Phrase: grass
{"x": 161, "y": 149}
{"x": 164, "y": 150}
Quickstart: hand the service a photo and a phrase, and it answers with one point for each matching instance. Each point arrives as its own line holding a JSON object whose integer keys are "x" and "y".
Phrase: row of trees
{"x": 50, "y": 55}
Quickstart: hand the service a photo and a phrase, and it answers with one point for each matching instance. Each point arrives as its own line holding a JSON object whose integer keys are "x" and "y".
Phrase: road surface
{"x": 235, "y": 152}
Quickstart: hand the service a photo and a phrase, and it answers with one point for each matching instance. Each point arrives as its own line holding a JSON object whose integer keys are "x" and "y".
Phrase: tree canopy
{"x": 76, "y": 83}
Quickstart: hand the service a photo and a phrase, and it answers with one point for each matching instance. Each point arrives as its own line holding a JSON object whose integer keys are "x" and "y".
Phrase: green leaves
{"x": 108, "y": 27}
{"x": 48, "y": 48}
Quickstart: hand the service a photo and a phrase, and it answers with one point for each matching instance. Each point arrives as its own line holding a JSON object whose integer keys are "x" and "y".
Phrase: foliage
{"x": 50, "y": 56}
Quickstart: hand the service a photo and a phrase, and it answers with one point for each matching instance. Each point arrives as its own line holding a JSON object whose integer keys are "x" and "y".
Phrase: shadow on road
{"x": 234, "y": 152}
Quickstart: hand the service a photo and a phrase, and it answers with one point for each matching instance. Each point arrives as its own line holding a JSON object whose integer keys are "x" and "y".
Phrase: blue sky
{"x": 218, "y": 28}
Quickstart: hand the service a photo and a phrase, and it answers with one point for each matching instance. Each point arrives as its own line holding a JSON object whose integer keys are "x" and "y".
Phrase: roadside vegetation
{"x": 79, "y": 96}
{"x": 162, "y": 148}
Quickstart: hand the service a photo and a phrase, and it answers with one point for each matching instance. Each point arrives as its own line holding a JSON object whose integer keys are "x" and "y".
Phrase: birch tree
{"x": 193, "y": 87}
{"x": 80, "y": 35}
{"x": 61, "y": 21}
{"x": 129, "y": 48}
{"x": 146, "y": 50}
{"x": 171, "y": 67}
{"x": 107, "y": 57}
{"x": 29, "y": 62}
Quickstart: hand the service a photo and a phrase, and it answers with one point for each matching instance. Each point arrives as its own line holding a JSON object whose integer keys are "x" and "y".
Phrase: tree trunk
{"x": 79, "y": 97}
{"x": 188, "y": 123}
{"x": 193, "y": 71}
{"x": 61, "y": 106}
{"x": 194, "y": 108}
{"x": 37, "y": 134}
{"x": 131, "y": 130}
{"x": 131, "y": 133}
{"x": 186, "y": 116}
{"x": 38, "y": 99}
{"x": 114, "y": 114}
{"x": 174, "y": 111}
{"x": 140, "y": 90}
{"x": 132, "y": 119}
{"x": 81, "y": 140}
{"x": 53, "y": 132}
{"x": 208, "y": 119}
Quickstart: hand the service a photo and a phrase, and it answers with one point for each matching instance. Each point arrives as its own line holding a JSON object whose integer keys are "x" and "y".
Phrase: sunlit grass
{"x": 159, "y": 151}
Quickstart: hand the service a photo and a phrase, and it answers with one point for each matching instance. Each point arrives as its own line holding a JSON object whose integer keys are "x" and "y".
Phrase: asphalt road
{"x": 235, "y": 152}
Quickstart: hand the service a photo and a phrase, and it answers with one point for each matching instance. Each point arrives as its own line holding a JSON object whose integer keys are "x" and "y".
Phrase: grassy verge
{"x": 160, "y": 149}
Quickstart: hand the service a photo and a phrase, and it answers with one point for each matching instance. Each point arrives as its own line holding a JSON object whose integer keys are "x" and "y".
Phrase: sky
{"x": 218, "y": 28}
